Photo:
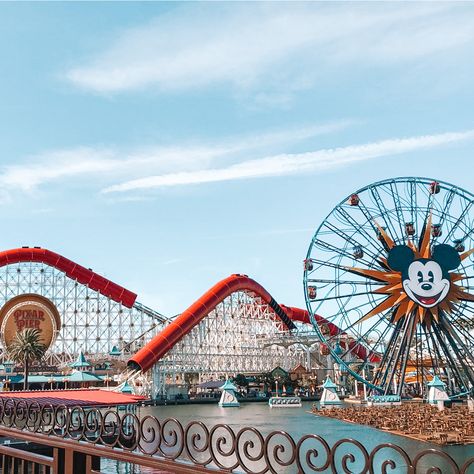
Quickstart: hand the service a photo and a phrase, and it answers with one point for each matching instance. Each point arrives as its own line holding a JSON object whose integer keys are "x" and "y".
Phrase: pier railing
{"x": 74, "y": 440}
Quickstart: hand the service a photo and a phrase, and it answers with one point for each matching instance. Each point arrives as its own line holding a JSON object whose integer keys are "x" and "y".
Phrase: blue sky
{"x": 168, "y": 145}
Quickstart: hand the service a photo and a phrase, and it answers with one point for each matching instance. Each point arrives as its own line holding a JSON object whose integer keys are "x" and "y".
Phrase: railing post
{"x": 89, "y": 464}
{"x": 92, "y": 464}
{"x": 55, "y": 466}
{"x": 68, "y": 461}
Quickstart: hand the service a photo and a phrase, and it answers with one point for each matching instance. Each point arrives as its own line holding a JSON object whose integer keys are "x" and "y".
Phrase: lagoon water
{"x": 298, "y": 422}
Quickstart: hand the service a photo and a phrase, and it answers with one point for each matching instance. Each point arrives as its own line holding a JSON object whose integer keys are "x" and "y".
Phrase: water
{"x": 298, "y": 422}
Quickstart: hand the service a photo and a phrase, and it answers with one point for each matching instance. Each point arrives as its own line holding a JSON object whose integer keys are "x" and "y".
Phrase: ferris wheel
{"x": 389, "y": 270}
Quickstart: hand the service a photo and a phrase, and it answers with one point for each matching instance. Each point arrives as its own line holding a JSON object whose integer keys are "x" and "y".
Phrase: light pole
{"x": 277, "y": 380}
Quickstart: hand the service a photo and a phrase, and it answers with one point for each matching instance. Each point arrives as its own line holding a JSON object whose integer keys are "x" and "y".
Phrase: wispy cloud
{"x": 286, "y": 164}
{"x": 56, "y": 165}
{"x": 102, "y": 164}
{"x": 260, "y": 233}
{"x": 173, "y": 261}
{"x": 247, "y": 44}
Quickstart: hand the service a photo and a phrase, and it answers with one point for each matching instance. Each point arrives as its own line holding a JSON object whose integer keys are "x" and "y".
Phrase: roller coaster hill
{"x": 237, "y": 327}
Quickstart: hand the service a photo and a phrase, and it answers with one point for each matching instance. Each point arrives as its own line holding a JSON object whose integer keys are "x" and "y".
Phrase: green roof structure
{"x": 228, "y": 385}
{"x": 115, "y": 351}
{"x": 328, "y": 383}
{"x": 81, "y": 362}
{"x": 12, "y": 379}
{"x": 436, "y": 382}
{"x": 126, "y": 388}
{"x": 81, "y": 376}
{"x": 76, "y": 376}
{"x": 44, "y": 378}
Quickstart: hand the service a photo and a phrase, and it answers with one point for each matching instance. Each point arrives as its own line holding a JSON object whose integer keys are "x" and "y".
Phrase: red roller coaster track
{"x": 146, "y": 357}
{"x": 72, "y": 270}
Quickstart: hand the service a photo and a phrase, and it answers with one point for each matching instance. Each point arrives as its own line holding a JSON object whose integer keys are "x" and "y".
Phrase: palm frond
{"x": 27, "y": 344}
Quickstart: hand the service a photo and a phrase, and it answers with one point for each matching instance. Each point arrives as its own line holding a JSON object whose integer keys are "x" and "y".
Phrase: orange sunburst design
{"x": 397, "y": 298}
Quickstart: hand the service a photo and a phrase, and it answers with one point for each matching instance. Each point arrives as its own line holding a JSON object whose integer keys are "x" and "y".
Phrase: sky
{"x": 169, "y": 145}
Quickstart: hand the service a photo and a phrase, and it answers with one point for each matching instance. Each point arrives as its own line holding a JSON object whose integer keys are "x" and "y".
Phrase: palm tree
{"x": 25, "y": 348}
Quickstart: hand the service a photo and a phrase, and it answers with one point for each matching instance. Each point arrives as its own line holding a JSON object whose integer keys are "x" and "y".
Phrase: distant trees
{"x": 241, "y": 380}
{"x": 26, "y": 348}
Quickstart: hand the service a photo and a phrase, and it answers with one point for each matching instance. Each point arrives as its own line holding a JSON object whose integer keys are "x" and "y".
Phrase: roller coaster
{"x": 235, "y": 327}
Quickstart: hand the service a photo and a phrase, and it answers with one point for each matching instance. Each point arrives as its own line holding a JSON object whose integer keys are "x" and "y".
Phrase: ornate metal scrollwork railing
{"x": 221, "y": 447}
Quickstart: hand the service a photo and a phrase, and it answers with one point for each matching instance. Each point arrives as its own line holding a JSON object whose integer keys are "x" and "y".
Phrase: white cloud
{"x": 286, "y": 164}
{"x": 106, "y": 163}
{"x": 245, "y": 44}
{"x": 56, "y": 165}
{"x": 101, "y": 164}
{"x": 173, "y": 261}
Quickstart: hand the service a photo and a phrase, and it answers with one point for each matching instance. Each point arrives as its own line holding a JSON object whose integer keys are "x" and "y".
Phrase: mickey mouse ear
{"x": 447, "y": 256}
{"x": 400, "y": 257}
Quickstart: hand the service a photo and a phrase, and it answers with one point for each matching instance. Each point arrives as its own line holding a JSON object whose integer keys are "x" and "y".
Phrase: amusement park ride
{"x": 94, "y": 313}
{"x": 391, "y": 267}
{"x": 387, "y": 288}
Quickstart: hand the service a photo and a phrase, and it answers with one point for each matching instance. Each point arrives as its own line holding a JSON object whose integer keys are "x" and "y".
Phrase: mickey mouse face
{"x": 425, "y": 281}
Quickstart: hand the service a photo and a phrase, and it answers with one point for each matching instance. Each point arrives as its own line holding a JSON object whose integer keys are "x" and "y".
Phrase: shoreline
{"x": 444, "y": 438}
{"x": 212, "y": 401}
{"x": 396, "y": 433}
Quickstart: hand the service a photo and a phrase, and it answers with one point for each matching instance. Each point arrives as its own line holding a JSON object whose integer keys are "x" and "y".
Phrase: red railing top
{"x": 88, "y": 397}
{"x": 73, "y": 270}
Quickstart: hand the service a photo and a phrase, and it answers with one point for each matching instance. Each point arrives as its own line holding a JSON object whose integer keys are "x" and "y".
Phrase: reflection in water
{"x": 297, "y": 422}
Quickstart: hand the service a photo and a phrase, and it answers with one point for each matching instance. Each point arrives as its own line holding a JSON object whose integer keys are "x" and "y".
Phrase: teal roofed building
{"x": 228, "y": 397}
{"x": 228, "y": 385}
{"x": 126, "y": 388}
{"x": 437, "y": 391}
{"x": 329, "y": 395}
{"x": 436, "y": 382}
{"x": 81, "y": 363}
{"x": 79, "y": 376}
{"x": 115, "y": 352}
